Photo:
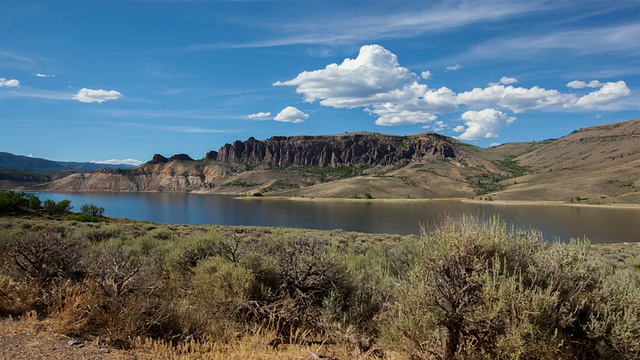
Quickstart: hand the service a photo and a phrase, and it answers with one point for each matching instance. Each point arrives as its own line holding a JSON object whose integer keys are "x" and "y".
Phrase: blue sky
{"x": 103, "y": 80}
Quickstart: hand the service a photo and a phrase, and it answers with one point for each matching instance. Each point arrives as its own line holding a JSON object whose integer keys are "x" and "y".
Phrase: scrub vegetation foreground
{"x": 466, "y": 290}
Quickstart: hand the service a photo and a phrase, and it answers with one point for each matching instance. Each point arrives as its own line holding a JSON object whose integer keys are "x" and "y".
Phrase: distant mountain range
{"x": 18, "y": 170}
{"x": 599, "y": 164}
{"x": 27, "y": 163}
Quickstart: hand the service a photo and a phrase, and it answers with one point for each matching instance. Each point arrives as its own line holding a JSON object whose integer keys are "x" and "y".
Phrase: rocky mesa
{"x": 337, "y": 150}
{"x": 280, "y": 163}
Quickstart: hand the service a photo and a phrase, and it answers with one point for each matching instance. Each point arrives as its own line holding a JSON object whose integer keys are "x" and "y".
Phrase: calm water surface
{"x": 599, "y": 224}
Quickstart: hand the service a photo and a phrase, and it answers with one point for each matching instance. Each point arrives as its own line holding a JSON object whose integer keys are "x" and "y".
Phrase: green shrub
{"x": 296, "y": 276}
{"x": 43, "y": 258}
{"x": 482, "y": 291}
{"x": 17, "y": 203}
{"x": 92, "y": 210}
{"x": 101, "y": 234}
{"x": 219, "y": 282}
{"x": 219, "y": 296}
{"x": 465, "y": 290}
{"x": 63, "y": 207}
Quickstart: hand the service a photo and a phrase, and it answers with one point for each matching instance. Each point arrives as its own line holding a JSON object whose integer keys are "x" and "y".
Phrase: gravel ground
{"x": 20, "y": 343}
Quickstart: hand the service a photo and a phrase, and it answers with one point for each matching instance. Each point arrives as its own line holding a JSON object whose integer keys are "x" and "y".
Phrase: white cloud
{"x": 508, "y": 80}
{"x": 292, "y": 115}
{"x": 377, "y": 83}
{"x": 133, "y": 162}
{"x": 9, "y": 83}
{"x": 90, "y": 96}
{"x": 453, "y": 67}
{"x": 483, "y": 124}
{"x": 495, "y": 144}
{"x": 577, "y": 84}
{"x": 44, "y": 75}
{"x": 425, "y": 75}
{"x": 374, "y": 80}
{"x": 504, "y": 81}
{"x": 516, "y": 99}
{"x": 392, "y": 114}
{"x": 438, "y": 126}
{"x": 441, "y": 100}
{"x": 608, "y": 93}
{"x": 372, "y": 77}
{"x": 259, "y": 115}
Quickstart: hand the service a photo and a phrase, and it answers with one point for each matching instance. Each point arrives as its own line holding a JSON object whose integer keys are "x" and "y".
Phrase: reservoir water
{"x": 598, "y": 224}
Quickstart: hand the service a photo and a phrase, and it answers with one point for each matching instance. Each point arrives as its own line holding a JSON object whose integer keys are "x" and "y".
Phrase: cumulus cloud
{"x": 437, "y": 126}
{"x": 516, "y": 99}
{"x": 414, "y": 105}
{"x": 483, "y": 124}
{"x": 508, "y": 80}
{"x": 373, "y": 80}
{"x": 259, "y": 115}
{"x": 9, "y": 83}
{"x": 292, "y": 115}
{"x": 372, "y": 77}
{"x": 608, "y": 93}
{"x": 90, "y": 96}
{"x": 133, "y": 162}
{"x": 505, "y": 81}
{"x": 376, "y": 82}
{"x": 44, "y": 75}
{"x": 453, "y": 67}
{"x": 577, "y": 84}
{"x": 392, "y": 114}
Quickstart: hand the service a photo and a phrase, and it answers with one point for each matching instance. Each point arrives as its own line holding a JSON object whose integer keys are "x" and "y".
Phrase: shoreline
{"x": 551, "y": 202}
{"x": 392, "y": 200}
{"x": 463, "y": 200}
{"x": 326, "y": 199}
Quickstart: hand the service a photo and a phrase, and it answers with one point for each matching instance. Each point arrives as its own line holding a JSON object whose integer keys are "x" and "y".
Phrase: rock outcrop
{"x": 336, "y": 150}
{"x": 225, "y": 170}
{"x": 155, "y": 175}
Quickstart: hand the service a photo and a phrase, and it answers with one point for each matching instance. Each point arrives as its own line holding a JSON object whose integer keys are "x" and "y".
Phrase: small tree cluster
{"x": 17, "y": 203}
{"x": 63, "y": 207}
{"x": 21, "y": 203}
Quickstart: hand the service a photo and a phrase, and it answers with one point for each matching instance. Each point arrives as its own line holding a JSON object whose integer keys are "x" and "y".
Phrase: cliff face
{"x": 337, "y": 150}
{"x": 223, "y": 171}
{"x": 153, "y": 176}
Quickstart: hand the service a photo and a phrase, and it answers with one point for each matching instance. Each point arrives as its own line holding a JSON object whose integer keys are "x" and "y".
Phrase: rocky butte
{"x": 336, "y": 150}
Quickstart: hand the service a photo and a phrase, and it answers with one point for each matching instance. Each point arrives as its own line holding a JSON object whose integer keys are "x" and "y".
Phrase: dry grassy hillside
{"x": 417, "y": 179}
{"x": 601, "y": 163}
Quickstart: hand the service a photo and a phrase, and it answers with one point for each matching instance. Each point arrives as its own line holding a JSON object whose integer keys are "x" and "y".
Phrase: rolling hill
{"x": 18, "y": 170}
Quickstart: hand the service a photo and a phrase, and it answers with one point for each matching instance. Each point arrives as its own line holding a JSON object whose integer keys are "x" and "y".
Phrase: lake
{"x": 599, "y": 224}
